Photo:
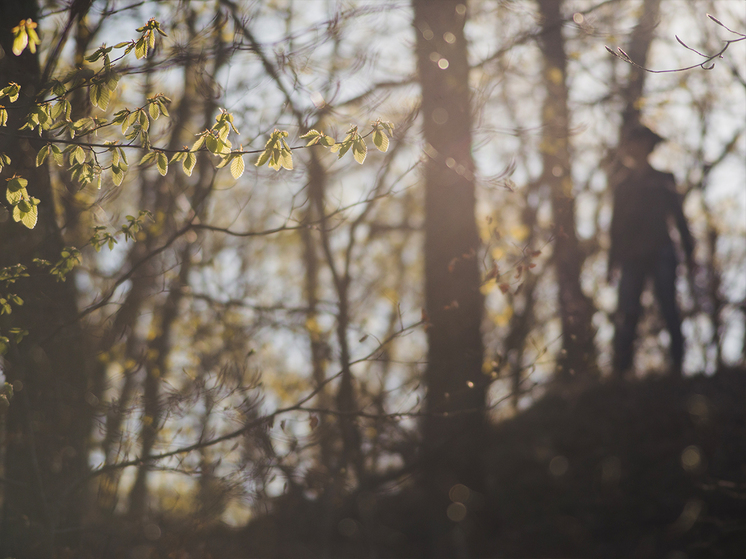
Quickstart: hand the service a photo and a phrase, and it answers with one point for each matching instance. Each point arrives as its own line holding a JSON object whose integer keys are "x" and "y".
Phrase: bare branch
{"x": 708, "y": 58}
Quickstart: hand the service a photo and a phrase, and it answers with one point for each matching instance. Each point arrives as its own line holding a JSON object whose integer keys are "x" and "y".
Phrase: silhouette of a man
{"x": 646, "y": 204}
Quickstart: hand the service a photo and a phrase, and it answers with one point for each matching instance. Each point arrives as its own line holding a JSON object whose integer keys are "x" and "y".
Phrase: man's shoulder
{"x": 659, "y": 179}
{"x": 661, "y": 175}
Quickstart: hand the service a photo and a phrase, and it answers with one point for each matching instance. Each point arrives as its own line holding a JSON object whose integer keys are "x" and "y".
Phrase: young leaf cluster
{"x": 11, "y": 91}
{"x": 276, "y": 152}
{"x": 24, "y": 206}
{"x": 147, "y": 39}
{"x": 216, "y": 141}
{"x": 353, "y": 140}
{"x": 24, "y": 35}
{"x": 129, "y": 230}
{"x": 8, "y": 276}
{"x": 69, "y": 258}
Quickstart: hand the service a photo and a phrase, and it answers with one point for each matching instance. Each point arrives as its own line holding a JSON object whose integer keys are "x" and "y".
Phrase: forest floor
{"x": 653, "y": 468}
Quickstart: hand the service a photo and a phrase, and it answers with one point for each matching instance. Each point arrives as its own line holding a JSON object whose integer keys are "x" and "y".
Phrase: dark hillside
{"x": 652, "y": 468}
{"x": 655, "y": 468}
{"x": 647, "y": 469}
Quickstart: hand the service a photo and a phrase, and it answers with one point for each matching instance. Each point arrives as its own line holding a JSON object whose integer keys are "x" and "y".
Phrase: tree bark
{"x": 638, "y": 49}
{"x": 456, "y": 387}
{"x": 48, "y": 422}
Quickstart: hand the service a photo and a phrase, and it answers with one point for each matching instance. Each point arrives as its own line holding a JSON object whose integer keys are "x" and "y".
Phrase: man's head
{"x": 639, "y": 144}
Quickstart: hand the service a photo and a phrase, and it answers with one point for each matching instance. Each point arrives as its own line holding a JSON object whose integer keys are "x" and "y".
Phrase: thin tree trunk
{"x": 319, "y": 346}
{"x": 638, "y": 48}
{"x": 631, "y": 92}
{"x": 156, "y": 365}
{"x": 522, "y": 323}
{"x": 577, "y": 358}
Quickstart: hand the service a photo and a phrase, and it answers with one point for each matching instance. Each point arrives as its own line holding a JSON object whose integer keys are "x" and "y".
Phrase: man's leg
{"x": 627, "y": 315}
{"x": 665, "y": 292}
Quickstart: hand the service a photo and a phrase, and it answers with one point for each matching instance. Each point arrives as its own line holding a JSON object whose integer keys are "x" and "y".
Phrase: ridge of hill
{"x": 653, "y": 468}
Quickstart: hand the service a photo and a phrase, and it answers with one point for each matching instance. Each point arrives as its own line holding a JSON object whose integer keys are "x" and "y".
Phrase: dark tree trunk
{"x": 637, "y": 49}
{"x": 454, "y": 425}
{"x": 48, "y": 422}
{"x": 631, "y": 93}
{"x": 523, "y": 320}
{"x": 577, "y": 358}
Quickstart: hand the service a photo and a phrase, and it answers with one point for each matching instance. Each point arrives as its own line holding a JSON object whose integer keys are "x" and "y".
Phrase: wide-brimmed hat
{"x": 641, "y": 132}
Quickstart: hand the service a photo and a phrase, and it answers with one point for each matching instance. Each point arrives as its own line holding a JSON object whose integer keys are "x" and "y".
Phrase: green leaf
{"x": 28, "y": 218}
{"x": 359, "y": 150}
{"x": 117, "y": 175}
{"x": 198, "y": 144}
{"x": 141, "y": 48}
{"x": 263, "y": 158}
{"x": 16, "y": 190}
{"x": 93, "y": 94}
{"x": 42, "y": 155}
{"x": 147, "y": 157}
{"x": 103, "y": 97}
{"x": 129, "y": 121}
{"x": 20, "y": 40}
{"x": 314, "y": 137}
{"x": 212, "y": 144}
{"x": 95, "y": 56}
{"x": 286, "y": 159}
{"x": 143, "y": 119}
{"x": 33, "y": 37}
{"x": 380, "y": 140}
{"x": 161, "y": 162}
{"x": 57, "y": 155}
{"x": 3, "y": 117}
{"x": 163, "y": 105}
{"x": 78, "y": 155}
{"x": 11, "y": 91}
{"x": 238, "y": 166}
{"x": 344, "y": 147}
{"x": 59, "y": 108}
{"x": 112, "y": 81}
{"x": 189, "y": 162}
{"x": 153, "y": 110}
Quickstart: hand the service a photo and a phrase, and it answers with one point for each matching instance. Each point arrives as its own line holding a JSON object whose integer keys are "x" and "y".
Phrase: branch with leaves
{"x": 50, "y": 116}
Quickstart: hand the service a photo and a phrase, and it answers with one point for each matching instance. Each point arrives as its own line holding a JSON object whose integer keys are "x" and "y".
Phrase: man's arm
{"x": 614, "y": 235}
{"x": 677, "y": 209}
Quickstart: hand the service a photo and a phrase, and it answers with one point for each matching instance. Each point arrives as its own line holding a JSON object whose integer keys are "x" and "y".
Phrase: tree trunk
{"x": 577, "y": 358}
{"x": 48, "y": 422}
{"x": 637, "y": 49}
{"x": 456, "y": 387}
